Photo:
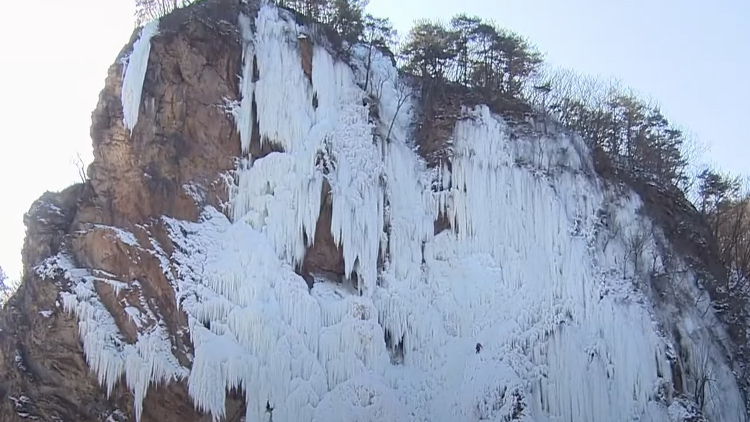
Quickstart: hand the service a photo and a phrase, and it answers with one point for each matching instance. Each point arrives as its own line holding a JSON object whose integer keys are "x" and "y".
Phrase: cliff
{"x": 274, "y": 247}
{"x": 172, "y": 163}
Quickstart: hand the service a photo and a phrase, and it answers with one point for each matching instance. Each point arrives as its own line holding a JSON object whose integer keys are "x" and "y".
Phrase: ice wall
{"x": 324, "y": 132}
{"x": 527, "y": 269}
{"x": 540, "y": 266}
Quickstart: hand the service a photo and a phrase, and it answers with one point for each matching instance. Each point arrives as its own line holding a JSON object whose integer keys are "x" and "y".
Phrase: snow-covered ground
{"x": 545, "y": 267}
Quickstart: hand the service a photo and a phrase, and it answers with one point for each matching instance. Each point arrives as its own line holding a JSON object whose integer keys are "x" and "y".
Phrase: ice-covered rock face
{"x": 543, "y": 264}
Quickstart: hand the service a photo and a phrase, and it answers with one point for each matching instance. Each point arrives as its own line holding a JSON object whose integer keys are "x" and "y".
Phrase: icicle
{"x": 147, "y": 361}
{"x": 244, "y": 115}
{"x": 135, "y": 74}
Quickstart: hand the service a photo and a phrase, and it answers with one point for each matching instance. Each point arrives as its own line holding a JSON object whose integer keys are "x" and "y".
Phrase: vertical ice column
{"x": 135, "y": 73}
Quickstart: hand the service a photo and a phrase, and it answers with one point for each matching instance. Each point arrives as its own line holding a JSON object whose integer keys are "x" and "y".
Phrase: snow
{"x": 116, "y": 416}
{"x": 544, "y": 265}
{"x": 124, "y": 236}
{"x": 148, "y": 360}
{"x": 135, "y": 74}
{"x": 195, "y": 191}
{"x": 134, "y": 315}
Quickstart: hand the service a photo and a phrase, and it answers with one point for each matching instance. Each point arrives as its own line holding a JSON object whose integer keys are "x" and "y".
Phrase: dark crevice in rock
{"x": 395, "y": 347}
{"x": 441, "y": 223}
{"x": 322, "y": 257}
{"x": 257, "y": 148}
{"x": 256, "y": 71}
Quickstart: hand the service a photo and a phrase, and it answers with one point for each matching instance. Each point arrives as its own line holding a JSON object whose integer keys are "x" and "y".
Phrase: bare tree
{"x": 724, "y": 201}
{"x": 378, "y": 33}
{"x": 377, "y": 91}
{"x": 5, "y": 289}
{"x": 731, "y": 222}
{"x": 544, "y": 91}
{"x": 403, "y": 93}
{"x": 607, "y": 226}
{"x": 609, "y": 235}
{"x": 636, "y": 245}
{"x": 80, "y": 165}
{"x": 148, "y": 10}
{"x": 692, "y": 150}
{"x": 702, "y": 377}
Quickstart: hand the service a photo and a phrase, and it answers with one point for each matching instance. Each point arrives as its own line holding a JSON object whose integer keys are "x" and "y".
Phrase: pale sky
{"x": 692, "y": 56}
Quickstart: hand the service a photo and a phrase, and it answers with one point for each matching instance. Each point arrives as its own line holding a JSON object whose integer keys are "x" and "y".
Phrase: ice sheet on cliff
{"x": 524, "y": 270}
{"x": 135, "y": 73}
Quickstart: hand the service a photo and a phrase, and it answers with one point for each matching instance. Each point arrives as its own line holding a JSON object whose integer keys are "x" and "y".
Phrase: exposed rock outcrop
{"x": 184, "y": 140}
{"x": 172, "y": 164}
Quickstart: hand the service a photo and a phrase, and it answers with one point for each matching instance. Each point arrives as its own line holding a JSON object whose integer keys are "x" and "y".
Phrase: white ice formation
{"x": 148, "y": 361}
{"x": 135, "y": 73}
{"x": 545, "y": 266}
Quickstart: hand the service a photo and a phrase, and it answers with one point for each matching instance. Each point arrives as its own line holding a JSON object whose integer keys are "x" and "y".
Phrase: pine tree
{"x": 714, "y": 189}
{"x": 347, "y": 18}
{"x": 465, "y": 28}
{"x": 429, "y": 50}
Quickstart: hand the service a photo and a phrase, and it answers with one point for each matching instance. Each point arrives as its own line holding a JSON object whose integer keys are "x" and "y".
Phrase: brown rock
{"x": 183, "y": 135}
{"x": 306, "y": 55}
{"x": 323, "y": 258}
{"x": 172, "y": 164}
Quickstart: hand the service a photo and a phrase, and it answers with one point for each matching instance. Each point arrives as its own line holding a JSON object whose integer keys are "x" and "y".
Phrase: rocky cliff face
{"x": 253, "y": 248}
{"x": 173, "y": 163}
